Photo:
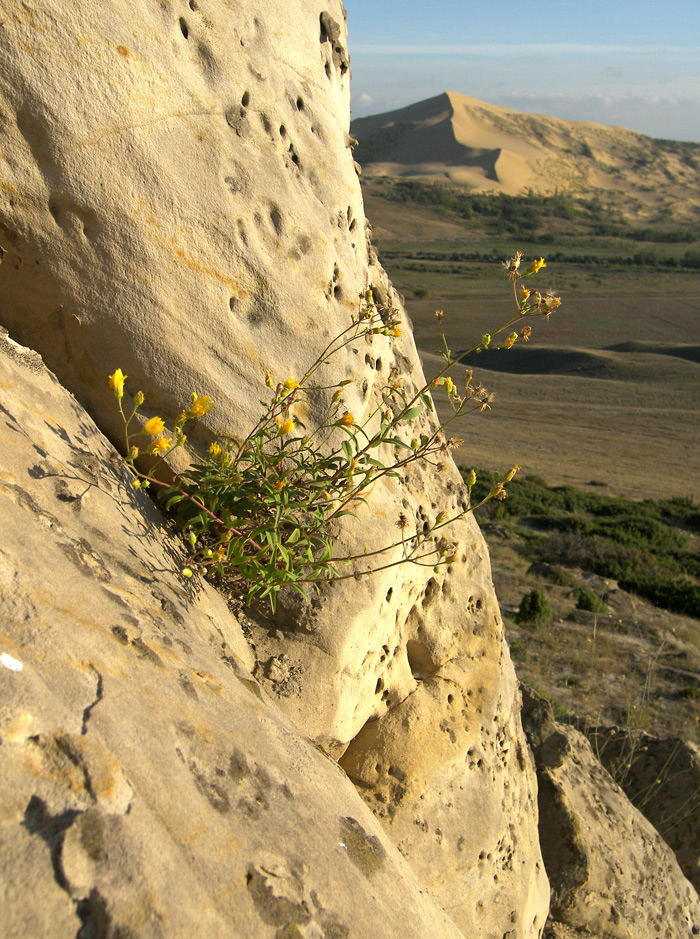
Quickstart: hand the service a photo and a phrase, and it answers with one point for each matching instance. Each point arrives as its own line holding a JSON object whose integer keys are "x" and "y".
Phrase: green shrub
{"x": 561, "y": 577}
{"x": 589, "y": 600}
{"x": 535, "y": 608}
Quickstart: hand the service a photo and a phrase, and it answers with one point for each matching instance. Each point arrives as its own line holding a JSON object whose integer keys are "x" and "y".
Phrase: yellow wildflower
{"x": 161, "y": 444}
{"x": 536, "y": 266}
{"x": 286, "y": 427}
{"x": 280, "y": 484}
{"x": 116, "y": 383}
{"x": 268, "y": 379}
{"x": 155, "y": 426}
{"x": 215, "y": 450}
{"x": 524, "y": 294}
{"x": 347, "y": 419}
{"x": 397, "y": 332}
{"x": 290, "y": 384}
{"x": 200, "y": 406}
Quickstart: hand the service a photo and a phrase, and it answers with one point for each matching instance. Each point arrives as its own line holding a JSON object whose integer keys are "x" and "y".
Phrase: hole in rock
{"x": 193, "y": 5}
{"x": 245, "y": 100}
{"x": 300, "y": 104}
{"x": 419, "y": 659}
{"x": 328, "y": 69}
{"x": 389, "y": 593}
{"x": 184, "y": 29}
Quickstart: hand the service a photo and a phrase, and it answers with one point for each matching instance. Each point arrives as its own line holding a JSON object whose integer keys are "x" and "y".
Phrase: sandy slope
{"x": 457, "y": 138}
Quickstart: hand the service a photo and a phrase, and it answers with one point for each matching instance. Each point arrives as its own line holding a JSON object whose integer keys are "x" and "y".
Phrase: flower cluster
{"x": 260, "y": 509}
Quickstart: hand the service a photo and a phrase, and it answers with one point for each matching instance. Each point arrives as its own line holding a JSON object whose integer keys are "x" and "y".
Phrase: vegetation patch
{"x": 649, "y": 547}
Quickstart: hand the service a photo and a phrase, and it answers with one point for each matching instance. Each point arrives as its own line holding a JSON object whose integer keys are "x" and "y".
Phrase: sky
{"x": 634, "y": 65}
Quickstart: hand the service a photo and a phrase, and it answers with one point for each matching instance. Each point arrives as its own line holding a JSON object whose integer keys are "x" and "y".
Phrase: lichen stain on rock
{"x": 278, "y": 894}
{"x": 251, "y": 685}
{"x": 365, "y": 851}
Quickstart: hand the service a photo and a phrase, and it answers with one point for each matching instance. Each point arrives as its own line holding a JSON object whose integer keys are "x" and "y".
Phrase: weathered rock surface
{"x": 662, "y": 778}
{"x": 178, "y": 198}
{"x": 148, "y": 786}
{"x": 612, "y": 875}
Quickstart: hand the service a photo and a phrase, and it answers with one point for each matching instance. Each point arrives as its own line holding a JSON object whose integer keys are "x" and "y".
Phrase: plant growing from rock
{"x": 262, "y": 508}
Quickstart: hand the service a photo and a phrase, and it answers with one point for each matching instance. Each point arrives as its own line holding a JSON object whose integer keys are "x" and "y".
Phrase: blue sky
{"x": 636, "y": 65}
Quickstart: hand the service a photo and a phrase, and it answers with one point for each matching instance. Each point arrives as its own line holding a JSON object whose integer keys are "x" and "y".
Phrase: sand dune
{"x": 456, "y": 138}
{"x": 628, "y": 362}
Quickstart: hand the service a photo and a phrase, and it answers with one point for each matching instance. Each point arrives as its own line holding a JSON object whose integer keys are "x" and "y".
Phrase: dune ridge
{"x": 459, "y": 139}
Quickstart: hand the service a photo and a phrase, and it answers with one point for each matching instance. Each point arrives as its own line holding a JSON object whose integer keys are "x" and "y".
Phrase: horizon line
{"x": 563, "y": 48}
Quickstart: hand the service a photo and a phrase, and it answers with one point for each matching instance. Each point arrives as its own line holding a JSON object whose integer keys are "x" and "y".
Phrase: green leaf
{"x": 427, "y": 401}
{"x": 412, "y": 412}
{"x": 398, "y": 443}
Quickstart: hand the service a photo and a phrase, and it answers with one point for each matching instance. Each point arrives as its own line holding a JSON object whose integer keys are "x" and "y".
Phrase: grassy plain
{"x": 608, "y": 390}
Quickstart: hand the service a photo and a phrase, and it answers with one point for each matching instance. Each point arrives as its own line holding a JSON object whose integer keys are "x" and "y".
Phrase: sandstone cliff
{"x": 178, "y": 198}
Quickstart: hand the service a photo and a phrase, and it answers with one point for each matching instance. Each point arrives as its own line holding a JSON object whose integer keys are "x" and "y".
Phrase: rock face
{"x": 662, "y": 778}
{"x": 178, "y": 198}
{"x": 149, "y": 788}
{"x": 611, "y": 873}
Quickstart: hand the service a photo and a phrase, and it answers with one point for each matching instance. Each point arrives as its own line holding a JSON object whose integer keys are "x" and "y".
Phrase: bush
{"x": 589, "y": 600}
{"x": 535, "y": 608}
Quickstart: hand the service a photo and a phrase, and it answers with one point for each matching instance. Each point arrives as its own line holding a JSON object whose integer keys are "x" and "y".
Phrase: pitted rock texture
{"x": 611, "y": 873}
{"x": 149, "y": 788}
{"x": 178, "y": 195}
{"x": 178, "y": 198}
{"x": 661, "y": 776}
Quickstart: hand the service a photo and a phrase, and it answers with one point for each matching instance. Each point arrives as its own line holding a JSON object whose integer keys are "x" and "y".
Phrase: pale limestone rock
{"x": 661, "y": 776}
{"x": 178, "y": 198}
{"x": 148, "y": 787}
{"x": 611, "y": 873}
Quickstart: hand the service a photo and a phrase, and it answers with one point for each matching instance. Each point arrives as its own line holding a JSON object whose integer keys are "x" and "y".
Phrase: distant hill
{"x": 456, "y": 138}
